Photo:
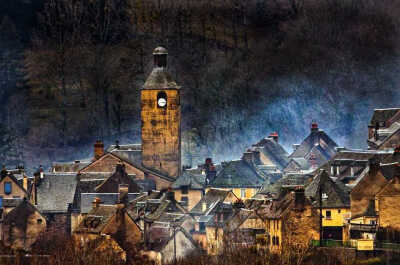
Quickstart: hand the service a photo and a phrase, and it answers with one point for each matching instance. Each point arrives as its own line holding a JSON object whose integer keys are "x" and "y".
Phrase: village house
{"x": 215, "y": 200}
{"x": 348, "y": 164}
{"x": 13, "y": 190}
{"x": 372, "y": 205}
{"x": 316, "y": 149}
{"x": 291, "y": 221}
{"x": 22, "y": 226}
{"x": 234, "y": 227}
{"x": 335, "y": 205}
{"x": 53, "y": 195}
{"x": 272, "y": 155}
{"x": 384, "y": 129}
{"x": 240, "y": 176}
{"x": 112, "y": 220}
{"x": 174, "y": 247}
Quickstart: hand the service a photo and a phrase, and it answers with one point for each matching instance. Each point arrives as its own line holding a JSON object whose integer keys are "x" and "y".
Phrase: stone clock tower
{"x": 161, "y": 119}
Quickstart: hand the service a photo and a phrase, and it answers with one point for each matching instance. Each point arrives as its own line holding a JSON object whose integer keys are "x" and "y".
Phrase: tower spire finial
{"x": 160, "y": 57}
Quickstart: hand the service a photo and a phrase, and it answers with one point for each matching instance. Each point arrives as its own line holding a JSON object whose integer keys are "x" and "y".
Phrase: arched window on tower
{"x": 161, "y": 99}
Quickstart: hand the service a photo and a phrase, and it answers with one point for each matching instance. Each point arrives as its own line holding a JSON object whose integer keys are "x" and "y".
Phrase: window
{"x": 185, "y": 200}
{"x": 202, "y": 227}
{"x": 7, "y": 187}
{"x": 242, "y": 193}
{"x": 338, "y": 211}
{"x": 39, "y": 221}
{"x": 372, "y": 222}
{"x": 277, "y": 241}
{"x": 328, "y": 215}
{"x": 1, "y": 201}
{"x": 185, "y": 189}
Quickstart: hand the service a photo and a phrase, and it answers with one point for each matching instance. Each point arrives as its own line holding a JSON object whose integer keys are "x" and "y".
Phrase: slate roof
{"x": 56, "y": 191}
{"x": 275, "y": 209}
{"x": 111, "y": 184}
{"x": 384, "y": 135}
{"x": 272, "y": 150}
{"x": 382, "y": 115}
{"x": 237, "y": 174}
{"x": 211, "y": 198}
{"x": 338, "y": 196}
{"x": 315, "y": 138}
{"x": 356, "y": 158}
{"x": 237, "y": 219}
{"x": 106, "y": 198}
{"x": 159, "y": 78}
{"x": 96, "y": 219}
{"x": 73, "y": 166}
{"x": 193, "y": 181}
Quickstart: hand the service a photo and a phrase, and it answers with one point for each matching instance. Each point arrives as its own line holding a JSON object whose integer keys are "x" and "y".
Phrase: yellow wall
{"x": 214, "y": 240}
{"x": 194, "y": 196}
{"x": 365, "y": 244}
{"x": 363, "y": 220}
{"x": 274, "y": 228}
{"x": 249, "y": 192}
{"x": 336, "y": 217}
{"x": 15, "y": 189}
{"x": 161, "y": 148}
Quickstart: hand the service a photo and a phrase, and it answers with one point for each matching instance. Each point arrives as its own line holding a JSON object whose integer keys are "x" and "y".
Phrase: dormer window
{"x": 7, "y": 187}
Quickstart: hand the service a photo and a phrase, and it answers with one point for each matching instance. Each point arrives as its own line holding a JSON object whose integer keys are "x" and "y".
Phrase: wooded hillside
{"x": 71, "y": 71}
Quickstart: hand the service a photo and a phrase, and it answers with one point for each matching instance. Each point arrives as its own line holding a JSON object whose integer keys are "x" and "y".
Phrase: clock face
{"x": 162, "y": 102}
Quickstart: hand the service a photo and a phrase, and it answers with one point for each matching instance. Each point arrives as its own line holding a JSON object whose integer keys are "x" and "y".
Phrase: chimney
{"x": 160, "y": 57}
{"x": 314, "y": 127}
{"x": 123, "y": 190}
{"x": 120, "y": 168}
{"x": 41, "y": 172}
{"x": 96, "y": 202}
{"x": 208, "y": 163}
{"x": 98, "y": 149}
{"x": 299, "y": 198}
{"x": 248, "y": 156}
{"x": 170, "y": 195}
{"x": 295, "y": 146}
{"x": 274, "y": 136}
{"x": 117, "y": 144}
{"x": 25, "y": 182}
{"x": 3, "y": 171}
{"x": 374, "y": 165}
{"x": 396, "y": 152}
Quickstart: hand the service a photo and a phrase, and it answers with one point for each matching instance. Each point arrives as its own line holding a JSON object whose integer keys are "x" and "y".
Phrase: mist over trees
{"x": 247, "y": 68}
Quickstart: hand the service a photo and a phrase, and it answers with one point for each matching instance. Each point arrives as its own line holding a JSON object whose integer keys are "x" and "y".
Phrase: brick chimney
{"x": 374, "y": 165}
{"x": 314, "y": 127}
{"x": 170, "y": 195}
{"x": 274, "y": 136}
{"x": 299, "y": 198}
{"x": 123, "y": 190}
{"x": 210, "y": 170}
{"x": 98, "y": 149}
{"x": 96, "y": 202}
{"x": 248, "y": 156}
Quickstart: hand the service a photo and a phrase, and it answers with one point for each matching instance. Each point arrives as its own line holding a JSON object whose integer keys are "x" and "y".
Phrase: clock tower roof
{"x": 159, "y": 77}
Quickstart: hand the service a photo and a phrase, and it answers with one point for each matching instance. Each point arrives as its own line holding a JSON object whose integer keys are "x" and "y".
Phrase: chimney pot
{"x": 274, "y": 136}
{"x": 96, "y": 202}
{"x": 98, "y": 149}
{"x": 123, "y": 190}
{"x": 314, "y": 127}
